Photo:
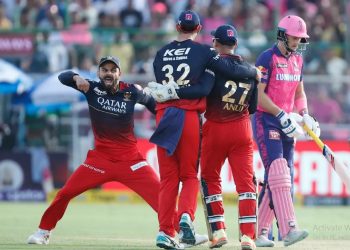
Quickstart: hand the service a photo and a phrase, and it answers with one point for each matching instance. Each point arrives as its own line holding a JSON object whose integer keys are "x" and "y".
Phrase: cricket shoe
{"x": 247, "y": 243}
{"x": 294, "y": 236}
{"x": 40, "y": 237}
{"x": 263, "y": 241}
{"x": 187, "y": 234}
{"x": 200, "y": 239}
{"x": 167, "y": 242}
{"x": 219, "y": 239}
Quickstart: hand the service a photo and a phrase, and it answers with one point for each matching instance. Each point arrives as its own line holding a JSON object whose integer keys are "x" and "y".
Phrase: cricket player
{"x": 181, "y": 64}
{"x": 227, "y": 133}
{"x": 279, "y": 93}
{"x": 115, "y": 156}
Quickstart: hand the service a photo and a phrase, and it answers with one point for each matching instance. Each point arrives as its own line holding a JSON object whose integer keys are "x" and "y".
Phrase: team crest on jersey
{"x": 99, "y": 92}
{"x": 274, "y": 135}
{"x": 127, "y": 96}
{"x": 188, "y": 17}
{"x": 262, "y": 69}
{"x": 281, "y": 65}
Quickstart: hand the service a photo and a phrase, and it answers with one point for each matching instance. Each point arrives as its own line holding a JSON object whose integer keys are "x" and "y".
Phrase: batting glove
{"x": 312, "y": 124}
{"x": 289, "y": 126}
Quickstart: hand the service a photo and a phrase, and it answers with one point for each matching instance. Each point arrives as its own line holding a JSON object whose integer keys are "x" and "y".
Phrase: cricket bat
{"x": 340, "y": 168}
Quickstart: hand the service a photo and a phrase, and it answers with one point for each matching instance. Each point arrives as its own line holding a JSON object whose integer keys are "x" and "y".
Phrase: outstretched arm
{"x": 73, "y": 80}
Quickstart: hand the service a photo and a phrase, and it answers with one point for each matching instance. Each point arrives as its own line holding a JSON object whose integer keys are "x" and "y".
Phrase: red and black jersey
{"x": 111, "y": 115}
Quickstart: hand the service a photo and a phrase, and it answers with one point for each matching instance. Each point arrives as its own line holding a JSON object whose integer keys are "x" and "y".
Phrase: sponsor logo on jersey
{"x": 99, "y": 92}
{"x": 274, "y": 135}
{"x": 127, "y": 96}
{"x": 176, "y": 54}
{"x": 288, "y": 77}
{"x": 112, "y": 105}
{"x": 282, "y": 65}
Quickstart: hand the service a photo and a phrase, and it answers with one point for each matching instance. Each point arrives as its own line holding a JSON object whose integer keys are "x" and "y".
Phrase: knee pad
{"x": 279, "y": 175}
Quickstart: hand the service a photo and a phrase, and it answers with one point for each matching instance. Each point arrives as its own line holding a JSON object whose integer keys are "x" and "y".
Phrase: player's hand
{"x": 258, "y": 74}
{"x": 82, "y": 84}
{"x": 312, "y": 123}
{"x": 289, "y": 126}
{"x": 163, "y": 93}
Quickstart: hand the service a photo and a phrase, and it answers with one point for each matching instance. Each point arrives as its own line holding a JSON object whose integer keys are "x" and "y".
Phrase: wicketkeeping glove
{"x": 312, "y": 123}
{"x": 163, "y": 93}
{"x": 289, "y": 126}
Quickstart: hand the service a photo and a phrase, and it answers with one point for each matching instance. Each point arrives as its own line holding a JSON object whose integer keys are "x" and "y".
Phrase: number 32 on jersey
{"x": 169, "y": 70}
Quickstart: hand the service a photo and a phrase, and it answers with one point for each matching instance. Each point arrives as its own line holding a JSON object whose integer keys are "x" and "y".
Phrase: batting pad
{"x": 266, "y": 215}
{"x": 280, "y": 185}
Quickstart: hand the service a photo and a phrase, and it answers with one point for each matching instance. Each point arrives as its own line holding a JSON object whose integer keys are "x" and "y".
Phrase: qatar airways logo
{"x": 112, "y": 105}
{"x": 288, "y": 77}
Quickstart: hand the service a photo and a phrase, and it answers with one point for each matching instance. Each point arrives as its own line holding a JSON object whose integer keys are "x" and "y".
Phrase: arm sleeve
{"x": 230, "y": 68}
{"x": 253, "y": 102}
{"x": 146, "y": 100}
{"x": 66, "y": 78}
{"x": 263, "y": 64}
{"x": 200, "y": 89}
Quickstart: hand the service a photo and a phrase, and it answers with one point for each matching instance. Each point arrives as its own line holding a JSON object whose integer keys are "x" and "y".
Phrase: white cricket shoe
{"x": 294, "y": 236}
{"x": 167, "y": 242}
{"x": 40, "y": 237}
{"x": 247, "y": 243}
{"x": 219, "y": 239}
{"x": 200, "y": 239}
{"x": 187, "y": 236}
{"x": 263, "y": 241}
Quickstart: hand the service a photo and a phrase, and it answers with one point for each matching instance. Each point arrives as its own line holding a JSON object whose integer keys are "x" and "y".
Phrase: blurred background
{"x": 45, "y": 130}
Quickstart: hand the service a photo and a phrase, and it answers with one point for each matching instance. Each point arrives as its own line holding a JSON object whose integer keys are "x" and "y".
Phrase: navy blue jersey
{"x": 112, "y": 115}
{"x": 185, "y": 62}
{"x": 231, "y": 98}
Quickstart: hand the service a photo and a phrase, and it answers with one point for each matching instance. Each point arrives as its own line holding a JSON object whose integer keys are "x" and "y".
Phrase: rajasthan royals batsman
{"x": 280, "y": 91}
{"x": 181, "y": 64}
{"x": 115, "y": 156}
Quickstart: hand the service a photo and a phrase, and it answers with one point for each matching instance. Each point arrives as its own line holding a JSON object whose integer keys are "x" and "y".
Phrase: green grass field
{"x": 121, "y": 226}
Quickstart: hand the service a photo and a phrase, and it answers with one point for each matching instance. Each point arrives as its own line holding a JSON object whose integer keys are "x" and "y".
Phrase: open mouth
{"x": 108, "y": 80}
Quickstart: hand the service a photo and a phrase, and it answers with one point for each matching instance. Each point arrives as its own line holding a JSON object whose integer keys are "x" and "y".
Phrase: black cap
{"x": 109, "y": 59}
{"x": 225, "y": 34}
{"x": 188, "y": 20}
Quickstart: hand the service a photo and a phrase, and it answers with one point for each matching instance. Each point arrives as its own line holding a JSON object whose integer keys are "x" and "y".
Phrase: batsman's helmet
{"x": 188, "y": 22}
{"x": 293, "y": 26}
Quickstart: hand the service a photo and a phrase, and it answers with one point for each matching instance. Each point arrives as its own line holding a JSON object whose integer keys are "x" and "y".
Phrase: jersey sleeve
{"x": 253, "y": 101}
{"x": 145, "y": 99}
{"x": 66, "y": 78}
{"x": 200, "y": 89}
{"x": 229, "y": 68}
{"x": 263, "y": 64}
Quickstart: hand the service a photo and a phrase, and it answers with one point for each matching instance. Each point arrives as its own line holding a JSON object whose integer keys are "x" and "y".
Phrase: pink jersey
{"x": 281, "y": 75}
